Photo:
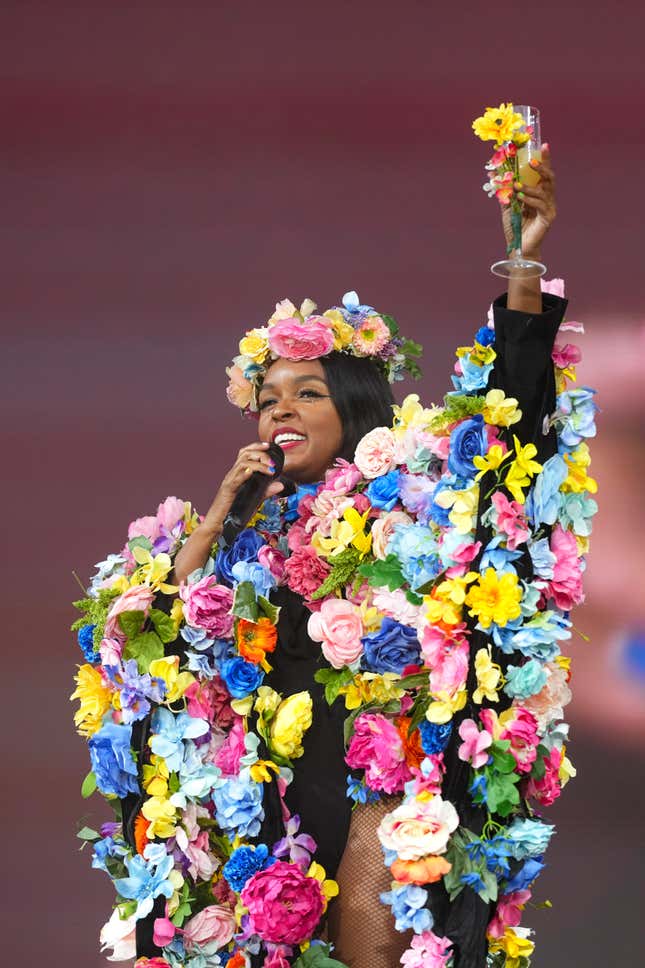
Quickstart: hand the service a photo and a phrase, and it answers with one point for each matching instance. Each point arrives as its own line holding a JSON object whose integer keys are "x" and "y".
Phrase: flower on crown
{"x": 304, "y": 334}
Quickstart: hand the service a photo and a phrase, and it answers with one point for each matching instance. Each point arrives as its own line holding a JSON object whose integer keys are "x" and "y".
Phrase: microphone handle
{"x": 249, "y": 497}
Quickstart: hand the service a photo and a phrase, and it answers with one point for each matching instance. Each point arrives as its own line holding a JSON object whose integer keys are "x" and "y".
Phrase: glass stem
{"x": 516, "y": 226}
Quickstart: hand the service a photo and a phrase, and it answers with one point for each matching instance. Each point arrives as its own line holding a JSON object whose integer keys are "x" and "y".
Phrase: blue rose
{"x": 485, "y": 336}
{"x": 467, "y": 440}
{"x": 291, "y": 510}
{"x": 238, "y": 806}
{"x": 434, "y": 736}
{"x": 252, "y": 571}
{"x": 391, "y": 649}
{"x": 241, "y": 677}
{"x": 112, "y": 762}
{"x": 525, "y": 876}
{"x": 244, "y": 548}
{"x": 383, "y": 492}
{"x": 524, "y": 681}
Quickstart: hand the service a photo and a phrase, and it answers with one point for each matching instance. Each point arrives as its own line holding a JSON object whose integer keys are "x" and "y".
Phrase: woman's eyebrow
{"x": 306, "y": 378}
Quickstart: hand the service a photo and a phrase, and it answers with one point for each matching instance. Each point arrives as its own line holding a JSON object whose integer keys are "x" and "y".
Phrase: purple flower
{"x": 298, "y": 847}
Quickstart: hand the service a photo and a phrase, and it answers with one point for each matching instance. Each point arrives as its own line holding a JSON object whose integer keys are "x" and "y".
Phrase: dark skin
{"x": 295, "y": 394}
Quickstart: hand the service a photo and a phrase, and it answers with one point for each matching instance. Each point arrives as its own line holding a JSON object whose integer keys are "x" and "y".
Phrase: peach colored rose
{"x": 295, "y": 340}
{"x": 418, "y": 828}
{"x": 138, "y": 598}
{"x": 428, "y": 870}
{"x": 338, "y": 626}
{"x": 214, "y": 924}
{"x": 383, "y": 528}
{"x": 549, "y": 703}
{"x": 375, "y": 452}
{"x": 239, "y": 390}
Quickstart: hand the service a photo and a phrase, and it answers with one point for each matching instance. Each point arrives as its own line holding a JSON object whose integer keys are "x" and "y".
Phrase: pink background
{"x": 169, "y": 172}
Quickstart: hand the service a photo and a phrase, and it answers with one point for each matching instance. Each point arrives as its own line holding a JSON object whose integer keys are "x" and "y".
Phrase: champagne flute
{"x": 516, "y": 264}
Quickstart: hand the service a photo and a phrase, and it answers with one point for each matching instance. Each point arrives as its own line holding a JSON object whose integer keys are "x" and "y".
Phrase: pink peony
{"x": 284, "y": 904}
{"x": 305, "y": 571}
{"x": 295, "y": 340}
{"x": 521, "y": 730}
{"x": 210, "y": 700}
{"x": 396, "y": 605}
{"x": 147, "y": 527}
{"x": 418, "y": 828}
{"x": 510, "y": 519}
{"x": 548, "y": 705}
{"x": 338, "y": 626}
{"x": 566, "y": 586}
{"x": 377, "y": 748}
{"x": 342, "y": 477}
{"x": 446, "y": 654}
{"x": 232, "y": 750}
{"x": 274, "y": 561}
{"x": 546, "y": 790}
{"x": 383, "y": 529}
{"x": 508, "y": 913}
{"x": 170, "y": 513}
{"x": 215, "y": 924}
{"x": 375, "y": 452}
{"x": 474, "y": 748}
{"x": 428, "y": 950}
{"x": 138, "y": 598}
{"x": 565, "y": 356}
{"x": 208, "y": 605}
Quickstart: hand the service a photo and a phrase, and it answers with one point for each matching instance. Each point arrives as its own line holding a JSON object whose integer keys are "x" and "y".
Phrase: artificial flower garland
{"x": 382, "y": 552}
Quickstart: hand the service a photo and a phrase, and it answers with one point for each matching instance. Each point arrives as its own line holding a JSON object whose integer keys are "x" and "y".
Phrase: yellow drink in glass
{"x": 525, "y": 155}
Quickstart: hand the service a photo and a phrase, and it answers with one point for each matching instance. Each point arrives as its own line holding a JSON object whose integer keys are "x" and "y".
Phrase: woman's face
{"x": 298, "y": 414}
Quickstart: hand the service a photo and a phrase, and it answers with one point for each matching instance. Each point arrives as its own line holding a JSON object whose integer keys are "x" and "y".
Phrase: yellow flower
{"x": 267, "y": 701}
{"x": 464, "y": 507}
{"x": 488, "y": 677}
{"x": 95, "y": 699}
{"x": 349, "y": 531}
{"x": 444, "y": 705}
{"x": 412, "y": 415}
{"x": 493, "y": 459}
{"x": 566, "y": 770}
{"x": 499, "y": 125}
{"x": 242, "y": 706}
{"x": 292, "y": 720}
{"x": 177, "y": 613}
{"x": 523, "y": 468}
{"x": 481, "y": 355}
{"x": 329, "y": 887}
{"x": 371, "y": 687}
{"x": 152, "y": 570}
{"x": 177, "y": 882}
{"x": 577, "y": 480}
{"x": 155, "y": 776}
{"x": 161, "y": 814}
{"x": 494, "y": 599}
{"x": 343, "y": 332}
{"x": 191, "y": 518}
{"x": 564, "y": 661}
{"x": 514, "y": 947}
{"x": 500, "y": 409}
{"x": 176, "y": 682}
{"x": 255, "y": 344}
{"x": 445, "y": 602}
{"x": 261, "y": 771}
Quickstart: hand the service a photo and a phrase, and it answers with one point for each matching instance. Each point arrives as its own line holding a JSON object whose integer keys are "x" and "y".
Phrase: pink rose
{"x": 170, "y": 513}
{"x": 338, "y": 626}
{"x": 305, "y": 571}
{"x": 273, "y": 560}
{"x": 566, "y": 585}
{"x": 208, "y": 605}
{"x": 342, "y": 477}
{"x": 375, "y": 452}
{"x": 327, "y": 508}
{"x": 232, "y": 750}
{"x": 396, "y": 605}
{"x": 295, "y": 340}
{"x": 138, "y": 598}
{"x": 284, "y": 904}
{"x": 547, "y": 789}
{"x": 418, "y": 828}
{"x": 521, "y": 730}
{"x": 110, "y": 651}
{"x": 377, "y": 748}
{"x": 383, "y": 529}
{"x": 214, "y": 924}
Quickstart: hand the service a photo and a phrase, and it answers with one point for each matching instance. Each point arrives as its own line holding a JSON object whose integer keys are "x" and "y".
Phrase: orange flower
{"x": 412, "y": 747}
{"x": 140, "y": 833}
{"x": 255, "y": 639}
{"x": 428, "y": 870}
{"x": 237, "y": 961}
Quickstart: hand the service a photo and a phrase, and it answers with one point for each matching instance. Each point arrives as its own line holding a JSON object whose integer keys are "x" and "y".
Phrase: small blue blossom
{"x": 574, "y": 417}
{"x": 169, "y": 731}
{"x": 136, "y": 691}
{"x": 408, "y": 907}
{"x": 255, "y": 573}
{"x": 485, "y": 336}
{"x": 524, "y": 681}
{"x": 544, "y": 498}
{"x": 473, "y": 879}
{"x": 148, "y": 879}
{"x": 359, "y": 792}
{"x": 525, "y": 876}
{"x": 434, "y": 736}
{"x": 86, "y": 641}
{"x": 498, "y": 558}
{"x": 473, "y": 376}
{"x": 478, "y": 789}
{"x": 238, "y": 806}
{"x": 244, "y": 863}
{"x": 111, "y": 759}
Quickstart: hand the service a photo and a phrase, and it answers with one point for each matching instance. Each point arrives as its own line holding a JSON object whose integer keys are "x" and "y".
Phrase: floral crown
{"x": 303, "y": 334}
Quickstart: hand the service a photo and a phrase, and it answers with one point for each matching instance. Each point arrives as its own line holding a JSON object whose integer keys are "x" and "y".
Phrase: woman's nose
{"x": 282, "y": 409}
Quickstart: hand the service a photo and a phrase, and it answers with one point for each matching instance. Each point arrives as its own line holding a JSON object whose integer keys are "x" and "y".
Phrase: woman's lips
{"x": 289, "y": 444}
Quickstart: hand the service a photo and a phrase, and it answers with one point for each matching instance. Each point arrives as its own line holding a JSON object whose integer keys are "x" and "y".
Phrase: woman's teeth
{"x": 281, "y": 439}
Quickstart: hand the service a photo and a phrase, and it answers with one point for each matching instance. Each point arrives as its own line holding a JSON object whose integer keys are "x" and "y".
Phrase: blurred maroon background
{"x": 170, "y": 171}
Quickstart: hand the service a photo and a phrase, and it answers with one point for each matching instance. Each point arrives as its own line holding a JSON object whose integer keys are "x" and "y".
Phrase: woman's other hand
{"x": 538, "y": 208}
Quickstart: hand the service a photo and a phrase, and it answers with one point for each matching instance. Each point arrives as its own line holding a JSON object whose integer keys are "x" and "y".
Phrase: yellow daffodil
{"x": 152, "y": 571}
{"x": 447, "y": 598}
{"x": 566, "y": 770}
{"x": 161, "y": 814}
{"x": 328, "y": 886}
{"x": 177, "y": 613}
{"x": 343, "y": 332}
{"x": 514, "y": 947}
{"x": 411, "y": 415}
{"x": 261, "y": 771}
{"x": 463, "y": 506}
{"x": 500, "y": 125}
{"x": 350, "y": 531}
{"x": 191, "y": 518}
{"x": 371, "y": 687}
{"x": 523, "y": 468}
{"x": 444, "y": 705}
{"x": 95, "y": 699}
{"x": 493, "y": 459}
{"x": 155, "y": 776}
{"x": 500, "y": 410}
{"x": 493, "y": 599}
{"x": 255, "y": 345}
{"x": 177, "y": 883}
{"x": 489, "y": 677}
{"x": 292, "y": 719}
{"x": 577, "y": 480}
{"x": 176, "y": 682}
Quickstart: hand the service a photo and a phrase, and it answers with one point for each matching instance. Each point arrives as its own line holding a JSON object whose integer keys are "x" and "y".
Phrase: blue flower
{"x": 416, "y": 491}
{"x": 359, "y": 792}
{"x": 434, "y": 736}
{"x": 136, "y": 691}
{"x": 244, "y": 548}
{"x": 473, "y": 879}
{"x": 498, "y": 558}
{"x": 538, "y": 638}
{"x": 104, "y": 849}
{"x": 86, "y": 641}
{"x": 197, "y": 638}
{"x": 259, "y": 576}
{"x": 524, "y": 681}
{"x": 485, "y": 336}
{"x": 575, "y": 412}
{"x": 525, "y": 876}
{"x": 383, "y": 491}
{"x": 417, "y": 551}
{"x": 148, "y": 879}
{"x": 241, "y": 677}
{"x": 112, "y": 762}
{"x": 169, "y": 730}
{"x": 542, "y": 558}
{"x": 196, "y": 778}
{"x": 529, "y": 837}
{"x": 497, "y": 852}
{"x": 478, "y": 789}
{"x": 291, "y": 510}
{"x": 436, "y": 513}
{"x": 473, "y": 377}
{"x": 544, "y": 498}
{"x": 271, "y": 513}
{"x": 468, "y": 440}
{"x": 408, "y": 907}
{"x": 576, "y": 513}
{"x": 391, "y": 649}
{"x": 244, "y": 863}
{"x": 352, "y": 307}
{"x": 238, "y": 806}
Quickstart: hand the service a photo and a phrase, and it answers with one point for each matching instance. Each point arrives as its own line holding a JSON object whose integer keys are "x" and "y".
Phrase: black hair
{"x": 361, "y": 394}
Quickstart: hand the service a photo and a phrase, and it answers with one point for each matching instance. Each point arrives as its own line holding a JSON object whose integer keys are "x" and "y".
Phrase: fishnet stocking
{"x": 361, "y": 928}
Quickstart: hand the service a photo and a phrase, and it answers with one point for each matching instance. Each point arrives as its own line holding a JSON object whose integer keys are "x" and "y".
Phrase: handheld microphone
{"x": 250, "y": 496}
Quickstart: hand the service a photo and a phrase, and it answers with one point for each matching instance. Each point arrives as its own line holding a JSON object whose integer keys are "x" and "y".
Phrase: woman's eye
{"x": 265, "y": 403}
{"x": 310, "y": 393}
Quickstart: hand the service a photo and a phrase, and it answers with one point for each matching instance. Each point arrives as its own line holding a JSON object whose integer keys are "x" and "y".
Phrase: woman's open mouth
{"x": 286, "y": 439}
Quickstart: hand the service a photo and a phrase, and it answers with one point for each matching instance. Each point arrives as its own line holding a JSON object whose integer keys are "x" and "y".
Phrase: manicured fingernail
{"x": 272, "y": 466}
{"x": 520, "y": 194}
{"x": 547, "y": 146}
{"x": 517, "y": 184}
{"x": 534, "y": 163}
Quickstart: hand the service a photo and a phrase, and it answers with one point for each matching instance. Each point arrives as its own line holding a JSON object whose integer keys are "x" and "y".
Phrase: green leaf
{"x": 413, "y": 598}
{"x": 164, "y": 625}
{"x": 268, "y": 609}
{"x": 416, "y": 680}
{"x": 140, "y": 542}
{"x": 539, "y": 766}
{"x": 333, "y": 681}
{"x": 145, "y": 648}
{"x": 318, "y": 956}
{"x": 383, "y": 573}
{"x": 131, "y": 623}
{"x": 87, "y": 834}
{"x": 502, "y": 760}
{"x": 245, "y": 603}
{"x": 89, "y": 785}
{"x": 501, "y": 792}
{"x": 343, "y": 567}
{"x": 391, "y": 324}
